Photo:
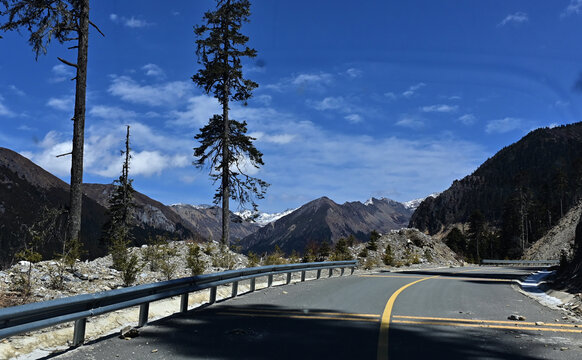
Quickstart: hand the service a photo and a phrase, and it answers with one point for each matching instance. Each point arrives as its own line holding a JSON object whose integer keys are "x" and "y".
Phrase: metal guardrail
{"x": 520, "y": 262}
{"x": 24, "y": 318}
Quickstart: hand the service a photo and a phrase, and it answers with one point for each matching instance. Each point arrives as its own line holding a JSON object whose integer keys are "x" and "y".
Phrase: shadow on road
{"x": 272, "y": 332}
{"x": 437, "y": 342}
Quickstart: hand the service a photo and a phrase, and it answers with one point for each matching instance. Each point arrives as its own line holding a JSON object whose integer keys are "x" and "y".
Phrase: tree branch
{"x": 68, "y": 63}
{"x": 97, "y": 28}
{"x": 69, "y": 153}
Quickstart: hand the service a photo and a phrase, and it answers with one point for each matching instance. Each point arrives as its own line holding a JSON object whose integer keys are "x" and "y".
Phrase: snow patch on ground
{"x": 531, "y": 286}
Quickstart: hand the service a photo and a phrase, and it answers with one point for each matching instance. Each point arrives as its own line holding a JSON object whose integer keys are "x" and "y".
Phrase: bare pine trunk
{"x": 76, "y": 193}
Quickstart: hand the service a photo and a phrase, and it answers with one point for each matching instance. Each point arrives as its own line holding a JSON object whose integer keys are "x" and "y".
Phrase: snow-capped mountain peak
{"x": 263, "y": 219}
{"x": 413, "y": 204}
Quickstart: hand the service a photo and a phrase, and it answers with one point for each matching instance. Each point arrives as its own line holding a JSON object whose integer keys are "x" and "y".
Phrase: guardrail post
{"x": 234, "y": 288}
{"x": 288, "y": 278}
{"x": 342, "y": 272}
{"x": 143, "y": 314}
{"x": 253, "y": 284}
{"x": 212, "y": 298}
{"x": 353, "y": 269}
{"x": 330, "y": 272}
{"x": 79, "y": 332}
{"x": 184, "y": 303}
{"x": 303, "y": 276}
{"x": 318, "y": 273}
{"x": 270, "y": 281}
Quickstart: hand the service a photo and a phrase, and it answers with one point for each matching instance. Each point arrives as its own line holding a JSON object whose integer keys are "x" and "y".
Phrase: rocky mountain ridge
{"x": 324, "y": 220}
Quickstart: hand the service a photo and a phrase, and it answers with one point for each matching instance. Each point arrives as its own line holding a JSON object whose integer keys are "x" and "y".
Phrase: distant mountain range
{"x": 324, "y": 220}
{"x": 26, "y": 189}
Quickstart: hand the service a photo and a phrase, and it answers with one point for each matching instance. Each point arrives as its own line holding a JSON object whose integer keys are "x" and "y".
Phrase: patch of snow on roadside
{"x": 531, "y": 286}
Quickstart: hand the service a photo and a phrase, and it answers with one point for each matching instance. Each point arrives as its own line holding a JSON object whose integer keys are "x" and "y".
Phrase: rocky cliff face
{"x": 324, "y": 220}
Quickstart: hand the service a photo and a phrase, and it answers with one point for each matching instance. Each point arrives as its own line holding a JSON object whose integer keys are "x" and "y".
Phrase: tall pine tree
{"x": 223, "y": 142}
{"x": 63, "y": 20}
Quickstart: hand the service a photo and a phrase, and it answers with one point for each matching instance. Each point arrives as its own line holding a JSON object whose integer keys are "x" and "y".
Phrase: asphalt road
{"x": 459, "y": 313}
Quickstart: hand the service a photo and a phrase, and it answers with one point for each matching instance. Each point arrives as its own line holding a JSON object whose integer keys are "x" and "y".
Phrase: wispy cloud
{"x": 504, "y": 125}
{"x": 16, "y": 90}
{"x": 131, "y": 22}
{"x": 154, "y": 70}
{"x": 468, "y": 119}
{"x": 352, "y": 113}
{"x": 515, "y": 19}
{"x": 354, "y": 118}
{"x": 329, "y": 103}
{"x": 413, "y": 89}
{"x": 165, "y": 94}
{"x": 64, "y": 103}
{"x": 4, "y": 111}
{"x": 354, "y": 73}
{"x": 61, "y": 72}
{"x": 441, "y": 108}
{"x": 153, "y": 152}
{"x": 410, "y": 121}
{"x": 303, "y": 82}
{"x": 112, "y": 113}
{"x": 574, "y": 8}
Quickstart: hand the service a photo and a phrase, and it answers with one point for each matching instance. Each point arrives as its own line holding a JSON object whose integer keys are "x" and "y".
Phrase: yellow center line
{"x": 385, "y": 321}
{"x": 490, "y": 326}
{"x": 520, "y": 323}
{"x": 441, "y": 278}
{"x": 290, "y": 316}
{"x": 302, "y": 312}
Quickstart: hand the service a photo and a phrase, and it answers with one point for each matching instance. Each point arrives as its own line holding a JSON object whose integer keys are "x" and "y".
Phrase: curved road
{"x": 459, "y": 313}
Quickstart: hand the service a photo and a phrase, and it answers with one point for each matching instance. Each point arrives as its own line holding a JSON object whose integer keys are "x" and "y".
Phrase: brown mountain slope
{"x": 324, "y": 220}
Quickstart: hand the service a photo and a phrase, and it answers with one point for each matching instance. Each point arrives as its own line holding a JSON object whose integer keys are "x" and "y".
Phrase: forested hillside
{"x": 513, "y": 198}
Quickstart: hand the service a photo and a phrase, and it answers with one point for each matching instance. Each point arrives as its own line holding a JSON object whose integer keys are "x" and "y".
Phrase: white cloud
{"x": 442, "y": 108}
{"x": 199, "y": 110}
{"x": 131, "y": 22}
{"x": 329, "y": 103}
{"x": 354, "y": 73}
{"x": 16, "y": 90}
{"x": 574, "y": 8}
{"x": 4, "y": 111}
{"x": 302, "y": 82}
{"x": 165, "y": 94}
{"x": 112, "y": 112}
{"x": 354, "y": 118}
{"x": 390, "y": 95}
{"x": 413, "y": 89}
{"x": 154, "y": 70}
{"x": 468, "y": 119}
{"x": 409, "y": 166}
{"x": 305, "y": 79}
{"x": 516, "y": 19}
{"x": 263, "y": 99}
{"x": 61, "y": 72}
{"x": 65, "y": 103}
{"x": 153, "y": 153}
{"x": 148, "y": 163}
{"x": 410, "y": 121}
{"x": 280, "y": 139}
{"x": 503, "y": 125}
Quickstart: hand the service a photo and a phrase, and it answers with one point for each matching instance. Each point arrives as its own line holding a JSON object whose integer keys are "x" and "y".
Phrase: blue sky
{"x": 356, "y": 99}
